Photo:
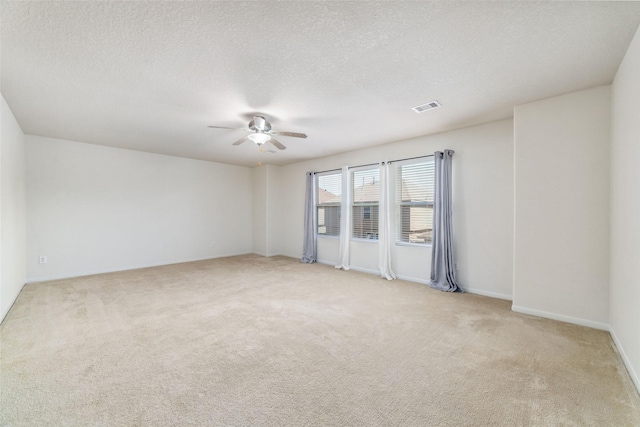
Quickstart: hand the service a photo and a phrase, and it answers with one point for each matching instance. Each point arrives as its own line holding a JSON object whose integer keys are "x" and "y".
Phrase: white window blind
{"x": 365, "y": 197}
{"x": 414, "y": 200}
{"x": 328, "y": 194}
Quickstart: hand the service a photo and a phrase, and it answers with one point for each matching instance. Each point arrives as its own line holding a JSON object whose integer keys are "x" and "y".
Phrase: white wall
{"x": 94, "y": 209}
{"x": 624, "y": 299}
{"x": 274, "y": 209}
{"x": 482, "y": 198}
{"x": 267, "y": 224}
{"x": 561, "y": 260}
{"x": 12, "y": 209}
{"x": 259, "y": 225}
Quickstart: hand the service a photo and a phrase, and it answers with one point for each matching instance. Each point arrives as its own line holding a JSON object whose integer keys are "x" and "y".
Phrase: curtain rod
{"x": 372, "y": 164}
{"x": 328, "y": 170}
{"x": 348, "y": 167}
{"x": 409, "y": 158}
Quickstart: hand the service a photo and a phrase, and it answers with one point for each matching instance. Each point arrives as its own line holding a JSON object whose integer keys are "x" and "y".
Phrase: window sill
{"x": 415, "y": 245}
{"x": 353, "y": 239}
{"x": 329, "y": 236}
{"x": 356, "y": 239}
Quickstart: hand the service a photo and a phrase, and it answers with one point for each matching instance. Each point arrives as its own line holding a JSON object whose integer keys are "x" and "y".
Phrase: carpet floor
{"x": 254, "y": 341}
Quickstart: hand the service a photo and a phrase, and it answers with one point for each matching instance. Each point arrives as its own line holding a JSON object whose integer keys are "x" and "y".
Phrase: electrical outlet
{"x": 455, "y": 265}
{"x": 42, "y": 259}
{"x": 213, "y": 243}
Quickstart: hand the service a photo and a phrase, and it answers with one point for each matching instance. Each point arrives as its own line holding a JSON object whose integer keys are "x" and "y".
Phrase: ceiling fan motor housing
{"x": 259, "y": 123}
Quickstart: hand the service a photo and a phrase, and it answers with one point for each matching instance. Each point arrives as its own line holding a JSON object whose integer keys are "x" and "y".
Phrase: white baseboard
{"x": 488, "y": 294}
{"x": 364, "y": 270}
{"x": 426, "y": 282}
{"x": 412, "y": 279}
{"x": 266, "y": 255}
{"x": 627, "y": 363}
{"x": 468, "y": 290}
{"x": 561, "y": 317}
{"x": 351, "y": 267}
{"x": 136, "y": 267}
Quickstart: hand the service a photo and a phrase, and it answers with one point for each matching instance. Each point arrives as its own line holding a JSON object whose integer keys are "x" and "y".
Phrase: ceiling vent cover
{"x": 425, "y": 107}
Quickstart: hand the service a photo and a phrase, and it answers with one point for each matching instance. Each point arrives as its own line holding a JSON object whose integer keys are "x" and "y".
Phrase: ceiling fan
{"x": 261, "y": 133}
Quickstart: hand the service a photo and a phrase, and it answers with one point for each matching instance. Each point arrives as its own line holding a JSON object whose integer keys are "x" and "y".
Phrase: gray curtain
{"x": 442, "y": 262}
{"x": 309, "y": 247}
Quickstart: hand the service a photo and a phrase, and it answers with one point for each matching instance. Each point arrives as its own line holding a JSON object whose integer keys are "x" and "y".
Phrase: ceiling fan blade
{"x": 278, "y": 144}
{"x": 240, "y": 141}
{"x": 294, "y": 134}
{"x": 225, "y": 127}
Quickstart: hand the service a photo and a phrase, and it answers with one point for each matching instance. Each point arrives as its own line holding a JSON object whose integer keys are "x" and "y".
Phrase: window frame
{"x": 353, "y": 204}
{"x": 319, "y": 205}
{"x": 399, "y": 204}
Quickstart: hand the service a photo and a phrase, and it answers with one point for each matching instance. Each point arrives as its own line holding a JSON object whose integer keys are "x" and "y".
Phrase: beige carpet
{"x": 253, "y": 341}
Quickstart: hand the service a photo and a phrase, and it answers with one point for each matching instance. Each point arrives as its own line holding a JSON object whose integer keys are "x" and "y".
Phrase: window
{"x": 414, "y": 200}
{"x": 329, "y": 195}
{"x": 364, "y": 210}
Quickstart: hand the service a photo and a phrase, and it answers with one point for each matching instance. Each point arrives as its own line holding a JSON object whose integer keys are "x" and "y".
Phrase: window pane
{"x": 366, "y": 186}
{"x": 365, "y": 221}
{"x": 416, "y": 182}
{"x": 328, "y": 193}
{"x": 329, "y": 188}
{"x": 415, "y": 224}
{"x": 414, "y": 197}
{"x": 329, "y": 220}
{"x": 364, "y": 212}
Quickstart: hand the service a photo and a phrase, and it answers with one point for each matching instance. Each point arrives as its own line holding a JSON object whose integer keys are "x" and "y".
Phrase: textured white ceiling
{"x": 151, "y": 76}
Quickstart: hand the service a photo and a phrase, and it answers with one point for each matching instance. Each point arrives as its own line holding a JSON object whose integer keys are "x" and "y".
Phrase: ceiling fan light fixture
{"x": 259, "y": 137}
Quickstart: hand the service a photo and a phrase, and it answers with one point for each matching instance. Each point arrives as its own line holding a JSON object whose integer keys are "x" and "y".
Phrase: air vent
{"x": 425, "y": 107}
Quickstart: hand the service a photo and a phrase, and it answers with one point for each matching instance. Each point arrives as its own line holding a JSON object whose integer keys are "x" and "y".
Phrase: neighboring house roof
{"x": 371, "y": 192}
{"x": 412, "y": 192}
{"x": 367, "y": 193}
{"x": 325, "y": 196}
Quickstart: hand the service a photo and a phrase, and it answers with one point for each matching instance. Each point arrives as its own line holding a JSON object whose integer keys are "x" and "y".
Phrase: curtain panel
{"x": 385, "y": 235}
{"x": 442, "y": 262}
{"x": 345, "y": 223}
{"x": 309, "y": 247}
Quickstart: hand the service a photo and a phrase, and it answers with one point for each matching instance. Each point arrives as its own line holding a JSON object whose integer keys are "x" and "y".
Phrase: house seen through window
{"x": 328, "y": 198}
{"x": 365, "y": 190}
{"x": 414, "y": 201}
